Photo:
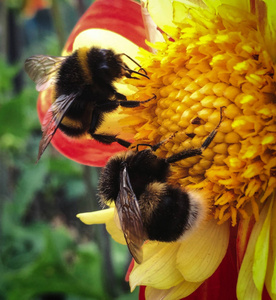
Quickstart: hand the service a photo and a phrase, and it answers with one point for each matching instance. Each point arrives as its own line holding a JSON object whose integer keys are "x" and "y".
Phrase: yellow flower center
{"x": 212, "y": 61}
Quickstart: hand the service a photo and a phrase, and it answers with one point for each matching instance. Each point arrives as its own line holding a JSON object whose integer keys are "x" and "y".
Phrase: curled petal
{"x": 182, "y": 290}
{"x": 266, "y": 13}
{"x": 221, "y": 285}
{"x": 161, "y": 12}
{"x": 152, "y": 32}
{"x": 200, "y": 252}
{"x": 158, "y": 267}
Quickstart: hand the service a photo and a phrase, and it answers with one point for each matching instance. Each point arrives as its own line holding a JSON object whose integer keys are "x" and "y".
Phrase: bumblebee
{"x": 148, "y": 207}
{"x": 83, "y": 91}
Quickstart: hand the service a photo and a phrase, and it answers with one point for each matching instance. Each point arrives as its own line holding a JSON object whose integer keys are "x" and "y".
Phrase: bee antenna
{"x": 135, "y": 72}
{"x": 134, "y": 62}
{"x": 132, "y": 71}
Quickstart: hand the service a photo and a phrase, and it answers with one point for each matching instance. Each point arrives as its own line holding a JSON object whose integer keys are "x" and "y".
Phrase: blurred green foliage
{"x": 45, "y": 251}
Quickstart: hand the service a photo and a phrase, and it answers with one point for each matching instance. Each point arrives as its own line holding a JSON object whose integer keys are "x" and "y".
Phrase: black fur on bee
{"x": 148, "y": 206}
{"x": 84, "y": 92}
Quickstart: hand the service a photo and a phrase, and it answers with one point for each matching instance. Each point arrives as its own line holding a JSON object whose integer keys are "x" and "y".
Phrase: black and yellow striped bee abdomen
{"x": 77, "y": 119}
{"x": 89, "y": 72}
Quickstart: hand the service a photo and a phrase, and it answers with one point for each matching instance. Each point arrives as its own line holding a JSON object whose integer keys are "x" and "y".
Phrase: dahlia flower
{"x": 200, "y": 56}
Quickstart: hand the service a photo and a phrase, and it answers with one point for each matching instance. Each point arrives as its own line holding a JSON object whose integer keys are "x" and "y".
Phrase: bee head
{"x": 110, "y": 67}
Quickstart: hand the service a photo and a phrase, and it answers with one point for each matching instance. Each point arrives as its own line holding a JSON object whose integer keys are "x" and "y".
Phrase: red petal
{"x": 129, "y": 270}
{"x": 142, "y": 293}
{"x": 120, "y": 16}
{"x": 123, "y": 17}
{"x": 244, "y": 230}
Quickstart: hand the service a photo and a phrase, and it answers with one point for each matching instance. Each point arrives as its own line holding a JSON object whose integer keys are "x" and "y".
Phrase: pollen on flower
{"x": 212, "y": 63}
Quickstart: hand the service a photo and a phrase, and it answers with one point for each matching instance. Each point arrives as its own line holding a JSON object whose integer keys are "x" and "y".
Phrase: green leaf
{"x": 31, "y": 181}
{"x": 61, "y": 267}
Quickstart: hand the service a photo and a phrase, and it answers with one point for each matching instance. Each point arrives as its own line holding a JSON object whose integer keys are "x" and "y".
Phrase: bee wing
{"x": 130, "y": 217}
{"x": 52, "y": 119}
{"x": 42, "y": 69}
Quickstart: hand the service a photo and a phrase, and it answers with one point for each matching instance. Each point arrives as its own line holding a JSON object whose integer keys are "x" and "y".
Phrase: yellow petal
{"x": 240, "y": 4}
{"x": 182, "y": 290}
{"x": 261, "y": 252}
{"x": 105, "y": 216}
{"x": 152, "y": 33}
{"x": 200, "y": 254}
{"x": 191, "y": 3}
{"x": 97, "y": 217}
{"x": 112, "y": 123}
{"x": 273, "y": 242}
{"x": 108, "y": 40}
{"x": 246, "y": 288}
{"x": 158, "y": 267}
{"x": 270, "y": 280}
{"x": 181, "y": 8}
{"x": 161, "y": 12}
{"x": 267, "y": 25}
{"x": 114, "y": 229}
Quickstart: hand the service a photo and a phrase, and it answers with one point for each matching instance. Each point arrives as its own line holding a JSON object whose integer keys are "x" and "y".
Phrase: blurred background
{"x": 45, "y": 251}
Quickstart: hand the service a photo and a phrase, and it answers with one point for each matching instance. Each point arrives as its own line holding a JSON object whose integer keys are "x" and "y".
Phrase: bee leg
{"x": 155, "y": 147}
{"x": 197, "y": 151}
{"x": 133, "y": 103}
{"x": 96, "y": 120}
{"x": 120, "y": 96}
{"x": 211, "y": 136}
{"x": 108, "y": 139}
{"x": 121, "y": 100}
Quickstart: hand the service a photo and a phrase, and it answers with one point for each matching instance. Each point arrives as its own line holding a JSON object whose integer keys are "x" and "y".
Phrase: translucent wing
{"x": 52, "y": 119}
{"x": 130, "y": 217}
{"x": 42, "y": 69}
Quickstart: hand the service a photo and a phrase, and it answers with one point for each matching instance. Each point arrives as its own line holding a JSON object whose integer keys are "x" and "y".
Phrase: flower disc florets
{"x": 213, "y": 61}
